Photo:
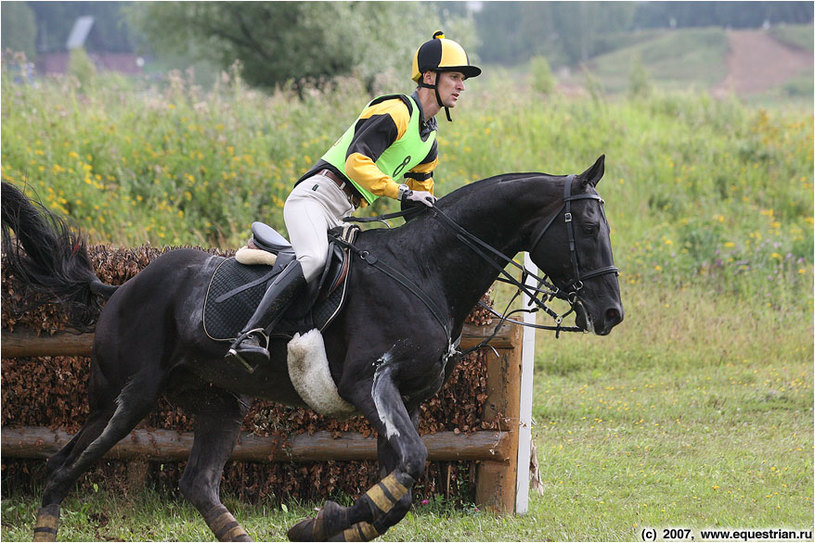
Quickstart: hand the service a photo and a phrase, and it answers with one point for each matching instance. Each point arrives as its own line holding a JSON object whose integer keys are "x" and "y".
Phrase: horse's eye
{"x": 590, "y": 229}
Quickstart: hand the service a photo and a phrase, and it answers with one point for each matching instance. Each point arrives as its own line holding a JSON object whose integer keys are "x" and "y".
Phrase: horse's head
{"x": 573, "y": 248}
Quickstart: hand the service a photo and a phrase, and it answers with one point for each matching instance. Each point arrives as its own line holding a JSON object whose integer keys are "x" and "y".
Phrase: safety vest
{"x": 398, "y": 159}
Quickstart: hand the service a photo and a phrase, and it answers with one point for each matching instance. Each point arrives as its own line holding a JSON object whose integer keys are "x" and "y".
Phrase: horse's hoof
{"x": 329, "y": 522}
{"x": 302, "y": 531}
{"x": 224, "y": 525}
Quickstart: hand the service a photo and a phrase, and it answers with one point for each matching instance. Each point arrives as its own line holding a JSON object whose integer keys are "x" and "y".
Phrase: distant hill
{"x": 751, "y": 63}
{"x": 757, "y": 63}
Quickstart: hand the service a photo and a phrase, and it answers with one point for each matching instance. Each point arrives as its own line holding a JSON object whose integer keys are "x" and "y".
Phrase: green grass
{"x": 795, "y": 35}
{"x": 688, "y": 59}
{"x": 701, "y": 420}
{"x": 150, "y": 517}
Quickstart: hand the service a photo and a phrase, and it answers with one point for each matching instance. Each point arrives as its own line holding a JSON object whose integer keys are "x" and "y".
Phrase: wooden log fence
{"x": 495, "y": 451}
{"x": 169, "y": 446}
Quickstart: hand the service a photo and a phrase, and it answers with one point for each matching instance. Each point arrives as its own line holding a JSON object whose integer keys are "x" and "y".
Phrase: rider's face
{"x": 450, "y": 85}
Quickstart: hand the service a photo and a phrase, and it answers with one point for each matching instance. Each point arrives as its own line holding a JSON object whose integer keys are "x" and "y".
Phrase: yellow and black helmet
{"x": 442, "y": 55}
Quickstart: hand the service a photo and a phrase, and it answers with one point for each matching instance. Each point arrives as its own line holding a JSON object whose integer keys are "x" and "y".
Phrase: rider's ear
{"x": 593, "y": 175}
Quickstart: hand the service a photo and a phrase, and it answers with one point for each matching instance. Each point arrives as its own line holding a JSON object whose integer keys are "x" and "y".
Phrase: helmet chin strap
{"x": 435, "y": 87}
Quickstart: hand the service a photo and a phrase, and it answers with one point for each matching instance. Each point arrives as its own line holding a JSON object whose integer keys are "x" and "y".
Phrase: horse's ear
{"x": 593, "y": 175}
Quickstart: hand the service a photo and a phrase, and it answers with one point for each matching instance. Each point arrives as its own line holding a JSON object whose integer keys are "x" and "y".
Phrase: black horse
{"x": 388, "y": 350}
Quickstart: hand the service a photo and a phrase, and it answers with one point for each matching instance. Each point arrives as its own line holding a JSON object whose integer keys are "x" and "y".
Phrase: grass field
{"x": 687, "y": 59}
{"x": 696, "y": 412}
{"x": 701, "y": 424}
{"x": 794, "y": 35}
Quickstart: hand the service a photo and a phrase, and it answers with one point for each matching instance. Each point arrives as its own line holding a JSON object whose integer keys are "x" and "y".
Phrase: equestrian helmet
{"x": 442, "y": 55}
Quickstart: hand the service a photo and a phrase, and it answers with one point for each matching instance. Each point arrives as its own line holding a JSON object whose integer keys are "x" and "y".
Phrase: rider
{"x": 394, "y": 136}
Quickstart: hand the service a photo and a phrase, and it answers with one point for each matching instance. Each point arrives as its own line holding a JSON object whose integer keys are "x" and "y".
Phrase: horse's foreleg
{"x": 217, "y": 426}
{"x": 387, "y": 502}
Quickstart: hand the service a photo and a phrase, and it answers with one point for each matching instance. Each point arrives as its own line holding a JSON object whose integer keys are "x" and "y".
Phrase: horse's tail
{"x": 50, "y": 257}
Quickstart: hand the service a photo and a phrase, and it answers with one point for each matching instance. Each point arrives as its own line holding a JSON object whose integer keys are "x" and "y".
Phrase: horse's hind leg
{"x": 218, "y": 417}
{"x": 48, "y": 516}
{"x": 93, "y": 427}
{"x": 100, "y": 433}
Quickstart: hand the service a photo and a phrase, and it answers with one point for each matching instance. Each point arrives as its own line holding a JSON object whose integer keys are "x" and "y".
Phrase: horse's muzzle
{"x": 613, "y": 317}
{"x": 599, "y": 324}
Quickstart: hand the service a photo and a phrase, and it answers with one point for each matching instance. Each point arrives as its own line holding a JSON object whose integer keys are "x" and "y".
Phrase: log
{"x": 494, "y": 451}
{"x": 169, "y": 445}
{"x": 24, "y": 343}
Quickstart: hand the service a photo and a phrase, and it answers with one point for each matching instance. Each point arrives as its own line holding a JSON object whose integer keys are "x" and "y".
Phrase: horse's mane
{"x": 480, "y": 185}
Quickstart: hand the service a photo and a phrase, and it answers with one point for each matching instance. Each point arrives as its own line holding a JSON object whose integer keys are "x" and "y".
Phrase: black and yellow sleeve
{"x": 378, "y": 127}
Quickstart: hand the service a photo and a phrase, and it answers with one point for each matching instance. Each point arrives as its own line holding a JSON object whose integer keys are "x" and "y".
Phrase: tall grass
{"x": 698, "y": 189}
{"x": 695, "y": 412}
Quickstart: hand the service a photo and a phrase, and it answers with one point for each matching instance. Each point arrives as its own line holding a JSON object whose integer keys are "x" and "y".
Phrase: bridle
{"x": 577, "y": 276}
{"x": 540, "y": 295}
{"x": 545, "y": 291}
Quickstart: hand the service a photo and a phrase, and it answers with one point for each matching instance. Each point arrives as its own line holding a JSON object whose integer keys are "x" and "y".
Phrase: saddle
{"x": 238, "y": 284}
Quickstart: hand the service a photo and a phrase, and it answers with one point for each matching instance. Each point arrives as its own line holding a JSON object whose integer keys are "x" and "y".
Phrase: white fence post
{"x": 525, "y": 418}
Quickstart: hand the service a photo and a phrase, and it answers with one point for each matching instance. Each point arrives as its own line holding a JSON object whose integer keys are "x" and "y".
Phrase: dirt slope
{"x": 757, "y": 62}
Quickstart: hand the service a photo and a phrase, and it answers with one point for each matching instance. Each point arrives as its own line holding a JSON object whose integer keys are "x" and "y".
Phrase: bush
{"x": 542, "y": 79}
{"x": 639, "y": 85}
{"x": 82, "y": 67}
{"x": 170, "y": 163}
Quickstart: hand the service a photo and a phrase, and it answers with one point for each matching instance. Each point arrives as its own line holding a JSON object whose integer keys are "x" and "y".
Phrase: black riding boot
{"x": 252, "y": 344}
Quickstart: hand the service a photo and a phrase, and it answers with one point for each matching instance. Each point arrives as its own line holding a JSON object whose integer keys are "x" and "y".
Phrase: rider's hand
{"x": 421, "y": 196}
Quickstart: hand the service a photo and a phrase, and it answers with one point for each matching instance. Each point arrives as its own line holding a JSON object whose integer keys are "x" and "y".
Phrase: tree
{"x": 563, "y": 32}
{"x": 19, "y": 28}
{"x": 302, "y": 42}
{"x": 735, "y": 14}
{"x": 542, "y": 79}
{"x": 568, "y": 33}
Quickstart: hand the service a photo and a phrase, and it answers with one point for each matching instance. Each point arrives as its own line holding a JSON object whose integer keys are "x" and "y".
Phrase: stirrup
{"x": 243, "y": 335}
{"x": 233, "y": 354}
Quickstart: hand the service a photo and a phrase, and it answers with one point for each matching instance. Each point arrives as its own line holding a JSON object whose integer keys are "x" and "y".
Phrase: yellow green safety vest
{"x": 398, "y": 159}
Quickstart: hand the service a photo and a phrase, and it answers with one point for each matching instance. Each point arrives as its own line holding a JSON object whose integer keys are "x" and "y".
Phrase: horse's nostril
{"x": 613, "y": 316}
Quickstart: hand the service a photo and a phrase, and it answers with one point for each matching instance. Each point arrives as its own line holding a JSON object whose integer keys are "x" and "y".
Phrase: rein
{"x": 538, "y": 295}
{"x": 393, "y": 273}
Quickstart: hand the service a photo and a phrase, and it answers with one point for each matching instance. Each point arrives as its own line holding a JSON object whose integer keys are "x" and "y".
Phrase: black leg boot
{"x": 252, "y": 344}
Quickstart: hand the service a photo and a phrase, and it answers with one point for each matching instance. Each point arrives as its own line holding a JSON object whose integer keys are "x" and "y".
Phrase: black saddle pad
{"x": 235, "y": 290}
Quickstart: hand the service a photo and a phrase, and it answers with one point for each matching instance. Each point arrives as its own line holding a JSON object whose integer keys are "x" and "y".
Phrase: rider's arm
{"x": 378, "y": 127}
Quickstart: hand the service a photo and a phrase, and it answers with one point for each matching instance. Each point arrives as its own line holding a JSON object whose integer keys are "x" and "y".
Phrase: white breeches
{"x": 315, "y": 206}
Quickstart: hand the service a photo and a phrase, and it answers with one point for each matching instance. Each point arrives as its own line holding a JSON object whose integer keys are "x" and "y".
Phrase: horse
{"x": 390, "y": 349}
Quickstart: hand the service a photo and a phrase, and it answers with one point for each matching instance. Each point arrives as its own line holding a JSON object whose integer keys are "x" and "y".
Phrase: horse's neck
{"x": 498, "y": 215}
